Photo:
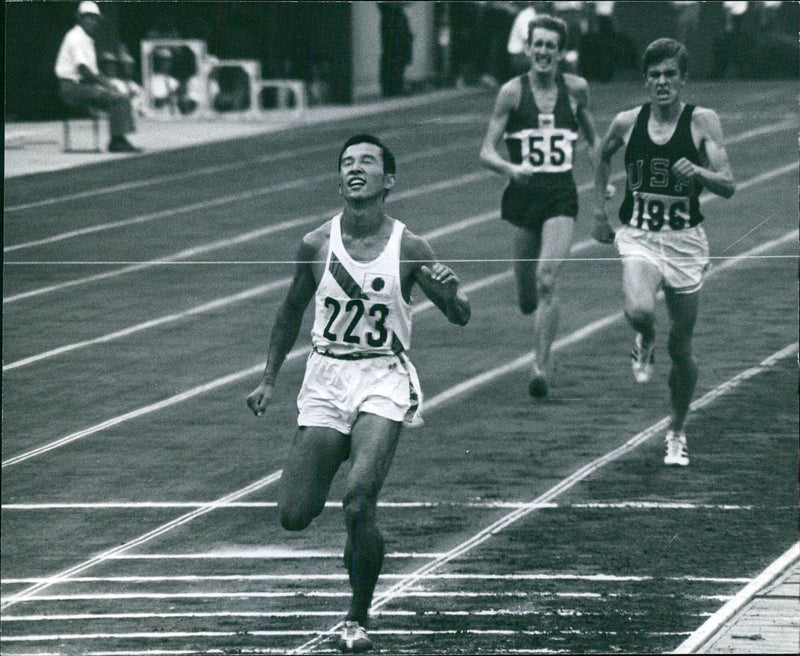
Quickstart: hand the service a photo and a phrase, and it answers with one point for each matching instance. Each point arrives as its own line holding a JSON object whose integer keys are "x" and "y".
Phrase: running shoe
{"x": 677, "y": 454}
{"x": 354, "y": 639}
{"x": 642, "y": 360}
{"x": 537, "y": 387}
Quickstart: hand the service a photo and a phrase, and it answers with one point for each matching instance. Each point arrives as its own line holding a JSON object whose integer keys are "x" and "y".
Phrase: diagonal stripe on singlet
{"x": 343, "y": 278}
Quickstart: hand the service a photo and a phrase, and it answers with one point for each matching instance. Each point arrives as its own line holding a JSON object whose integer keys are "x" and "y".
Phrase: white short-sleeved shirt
{"x": 77, "y": 48}
{"x": 518, "y": 37}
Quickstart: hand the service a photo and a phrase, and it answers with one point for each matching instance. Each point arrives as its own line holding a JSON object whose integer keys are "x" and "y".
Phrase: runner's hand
{"x": 259, "y": 398}
{"x": 442, "y": 275}
{"x": 610, "y": 191}
{"x": 522, "y": 173}
{"x": 683, "y": 169}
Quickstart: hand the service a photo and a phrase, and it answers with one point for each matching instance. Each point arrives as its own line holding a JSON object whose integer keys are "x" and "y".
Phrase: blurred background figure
{"x": 518, "y": 59}
{"x": 163, "y": 90}
{"x": 81, "y": 84}
{"x": 735, "y": 49}
{"x": 118, "y": 68}
{"x": 687, "y": 19}
{"x": 599, "y": 43}
{"x": 396, "y": 47}
{"x": 319, "y": 86}
{"x": 572, "y": 13}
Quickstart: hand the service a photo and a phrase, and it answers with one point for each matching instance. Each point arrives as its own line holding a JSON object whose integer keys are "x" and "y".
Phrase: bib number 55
{"x": 546, "y": 150}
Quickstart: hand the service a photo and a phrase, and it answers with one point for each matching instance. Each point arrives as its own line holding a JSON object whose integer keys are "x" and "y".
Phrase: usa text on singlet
{"x": 654, "y": 198}
{"x": 359, "y": 305}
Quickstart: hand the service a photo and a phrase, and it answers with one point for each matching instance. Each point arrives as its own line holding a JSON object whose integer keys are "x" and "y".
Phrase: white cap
{"x": 89, "y": 7}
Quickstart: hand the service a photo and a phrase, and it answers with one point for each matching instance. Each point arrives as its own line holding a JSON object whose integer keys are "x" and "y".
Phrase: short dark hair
{"x": 662, "y": 49}
{"x": 551, "y": 23}
{"x": 389, "y": 164}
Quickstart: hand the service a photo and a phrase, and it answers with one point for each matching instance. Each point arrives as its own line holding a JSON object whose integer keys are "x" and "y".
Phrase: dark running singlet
{"x": 546, "y": 140}
{"x": 654, "y": 199}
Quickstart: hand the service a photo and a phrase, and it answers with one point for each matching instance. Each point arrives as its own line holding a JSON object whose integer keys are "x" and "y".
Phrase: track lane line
{"x": 286, "y": 185}
{"x": 191, "y": 252}
{"x": 196, "y": 578}
{"x": 284, "y": 282}
{"x": 484, "y": 505}
{"x": 286, "y": 154}
{"x": 461, "y": 388}
{"x": 576, "y": 477}
{"x": 469, "y": 178}
{"x": 438, "y": 400}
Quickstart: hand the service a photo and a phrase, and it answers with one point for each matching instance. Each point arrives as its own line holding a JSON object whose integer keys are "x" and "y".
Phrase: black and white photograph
{"x": 400, "y": 327}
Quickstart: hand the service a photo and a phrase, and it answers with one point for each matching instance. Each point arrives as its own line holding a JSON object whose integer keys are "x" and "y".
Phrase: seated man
{"x": 80, "y": 81}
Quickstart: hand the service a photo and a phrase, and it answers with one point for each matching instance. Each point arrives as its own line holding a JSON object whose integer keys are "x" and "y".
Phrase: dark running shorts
{"x": 530, "y": 207}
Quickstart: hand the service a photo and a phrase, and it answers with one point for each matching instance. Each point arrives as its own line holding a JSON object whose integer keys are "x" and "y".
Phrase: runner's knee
{"x": 679, "y": 349}
{"x": 527, "y": 299}
{"x": 358, "y": 507}
{"x": 295, "y": 517}
{"x": 545, "y": 282}
{"x": 640, "y": 318}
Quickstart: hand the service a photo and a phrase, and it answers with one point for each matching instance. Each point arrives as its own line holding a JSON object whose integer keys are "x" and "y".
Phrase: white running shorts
{"x": 335, "y": 391}
{"x": 681, "y": 256}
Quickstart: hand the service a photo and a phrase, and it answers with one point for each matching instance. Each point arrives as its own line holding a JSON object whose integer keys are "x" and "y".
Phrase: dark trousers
{"x": 392, "y": 72}
{"x": 118, "y": 105}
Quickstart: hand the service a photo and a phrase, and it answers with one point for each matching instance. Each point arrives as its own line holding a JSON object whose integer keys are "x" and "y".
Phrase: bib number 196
{"x": 652, "y": 212}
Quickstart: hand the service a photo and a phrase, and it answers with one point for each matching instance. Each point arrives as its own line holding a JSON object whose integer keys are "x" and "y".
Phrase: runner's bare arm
{"x": 611, "y": 143}
{"x": 579, "y": 89}
{"x": 507, "y": 99}
{"x": 717, "y": 177}
{"x": 437, "y": 281}
{"x": 287, "y": 324}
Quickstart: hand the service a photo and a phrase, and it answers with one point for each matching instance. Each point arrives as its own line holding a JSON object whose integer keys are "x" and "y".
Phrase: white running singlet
{"x": 359, "y": 305}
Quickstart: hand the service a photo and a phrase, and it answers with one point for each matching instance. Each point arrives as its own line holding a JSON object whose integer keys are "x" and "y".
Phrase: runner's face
{"x": 361, "y": 173}
{"x": 664, "y": 82}
{"x": 543, "y": 50}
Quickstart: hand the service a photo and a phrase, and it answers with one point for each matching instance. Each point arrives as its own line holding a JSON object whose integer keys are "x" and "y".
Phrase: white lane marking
{"x": 465, "y": 386}
{"x": 218, "y": 303}
{"x": 299, "y": 614}
{"x": 241, "y": 238}
{"x": 188, "y": 253}
{"x": 695, "y": 642}
{"x": 197, "y": 578}
{"x": 165, "y": 635}
{"x": 135, "y": 505}
{"x": 407, "y": 593}
{"x": 29, "y": 592}
{"x": 279, "y": 284}
{"x": 142, "y": 539}
{"x": 495, "y": 527}
{"x": 265, "y": 159}
{"x": 221, "y": 200}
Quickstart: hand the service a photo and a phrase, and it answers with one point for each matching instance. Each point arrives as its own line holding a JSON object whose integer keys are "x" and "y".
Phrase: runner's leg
{"x": 682, "y": 310}
{"x": 314, "y": 457}
{"x": 527, "y": 244}
{"x": 556, "y": 238}
{"x": 640, "y": 283}
{"x": 373, "y": 443}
